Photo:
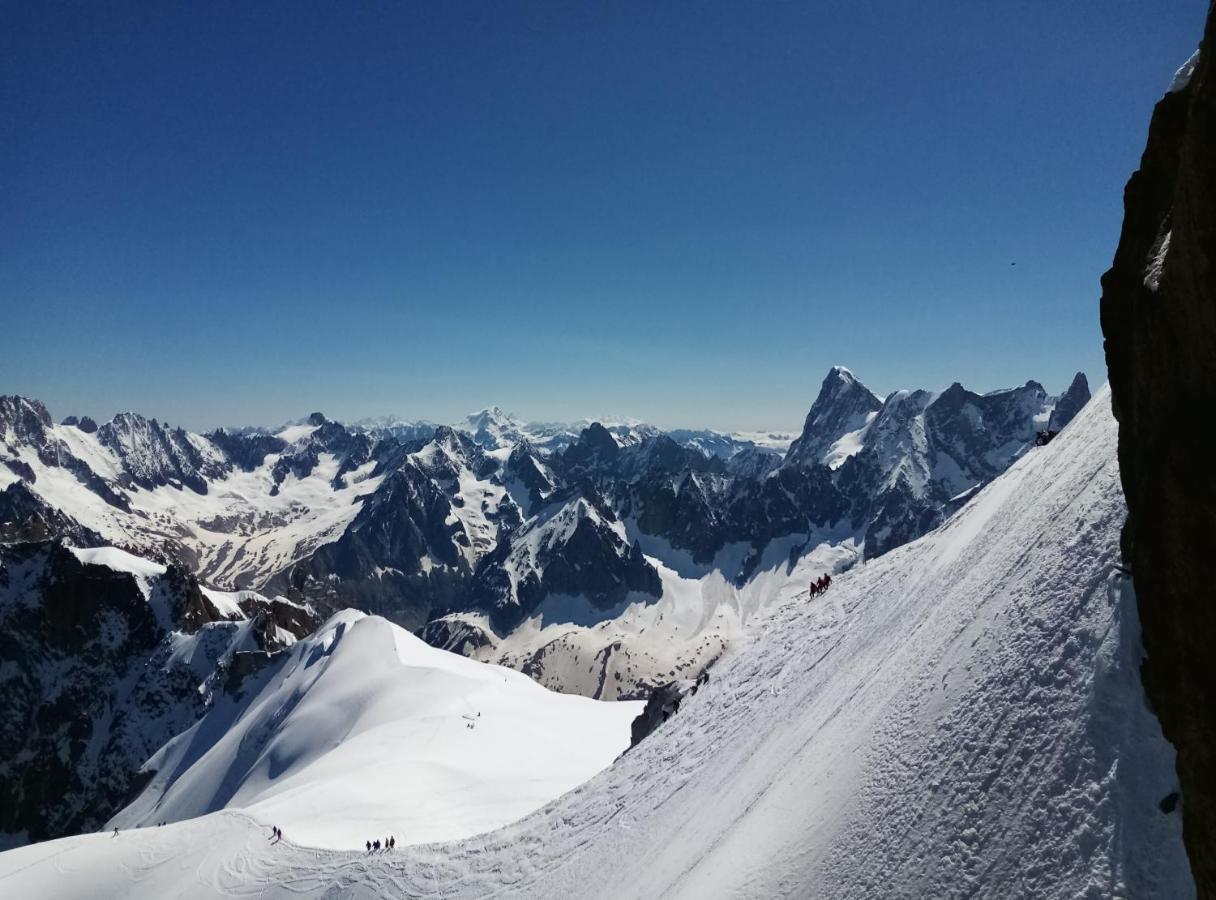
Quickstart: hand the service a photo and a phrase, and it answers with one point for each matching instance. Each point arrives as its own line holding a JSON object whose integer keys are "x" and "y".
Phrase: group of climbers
{"x": 388, "y": 844}
{"x": 821, "y": 584}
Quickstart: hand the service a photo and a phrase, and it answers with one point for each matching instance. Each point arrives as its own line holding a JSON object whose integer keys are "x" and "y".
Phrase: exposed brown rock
{"x": 1159, "y": 319}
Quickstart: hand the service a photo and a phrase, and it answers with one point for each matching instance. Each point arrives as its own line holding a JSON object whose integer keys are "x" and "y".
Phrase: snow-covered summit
{"x": 362, "y": 730}
{"x": 836, "y": 422}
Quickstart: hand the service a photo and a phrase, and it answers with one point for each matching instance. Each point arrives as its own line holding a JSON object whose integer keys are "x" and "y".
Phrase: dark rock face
{"x": 94, "y": 682}
{"x": 572, "y": 547}
{"x": 1070, "y": 403}
{"x": 661, "y": 705}
{"x": 23, "y": 421}
{"x": 457, "y": 634}
{"x": 844, "y": 404}
{"x": 92, "y": 691}
{"x": 525, "y": 466}
{"x": 1159, "y": 319}
{"x": 26, "y": 517}
{"x": 377, "y": 563}
{"x": 153, "y": 455}
{"x": 84, "y": 423}
{"x": 246, "y": 451}
{"x": 595, "y": 447}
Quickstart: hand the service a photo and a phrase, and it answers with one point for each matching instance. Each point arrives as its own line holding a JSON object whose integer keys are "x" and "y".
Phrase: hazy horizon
{"x": 617, "y": 416}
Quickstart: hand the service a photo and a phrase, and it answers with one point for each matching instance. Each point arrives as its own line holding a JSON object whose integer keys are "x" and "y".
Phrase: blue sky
{"x": 686, "y": 212}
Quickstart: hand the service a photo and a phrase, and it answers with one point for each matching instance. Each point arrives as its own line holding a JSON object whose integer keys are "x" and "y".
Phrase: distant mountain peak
{"x": 844, "y": 407}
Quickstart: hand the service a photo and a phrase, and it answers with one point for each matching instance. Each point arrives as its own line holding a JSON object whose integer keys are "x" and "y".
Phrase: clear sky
{"x": 222, "y": 213}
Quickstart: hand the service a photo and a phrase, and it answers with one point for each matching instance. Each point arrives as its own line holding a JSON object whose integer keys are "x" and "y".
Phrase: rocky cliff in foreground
{"x": 1159, "y": 319}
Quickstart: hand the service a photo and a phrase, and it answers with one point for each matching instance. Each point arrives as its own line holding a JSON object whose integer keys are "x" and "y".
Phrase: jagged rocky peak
{"x": 23, "y": 421}
{"x": 246, "y": 450}
{"x": 83, "y": 423}
{"x": 526, "y": 467}
{"x": 153, "y": 455}
{"x": 449, "y": 451}
{"x": 595, "y": 446}
{"x": 317, "y": 420}
{"x": 1070, "y": 402}
{"x": 832, "y": 429}
{"x": 575, "y": 547}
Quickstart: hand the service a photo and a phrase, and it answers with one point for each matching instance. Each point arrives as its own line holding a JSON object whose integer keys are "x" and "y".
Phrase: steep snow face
{"x": 962, "y": 717}
{"x": 362, "y": 731}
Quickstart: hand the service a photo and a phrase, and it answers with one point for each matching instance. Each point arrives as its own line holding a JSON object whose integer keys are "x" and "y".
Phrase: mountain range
{"x": 602, "y": 562}
{"x": 982, "y": 678}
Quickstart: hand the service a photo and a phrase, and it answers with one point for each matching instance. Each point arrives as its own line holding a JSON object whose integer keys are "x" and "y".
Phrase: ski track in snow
{"x": 960, "y": 717}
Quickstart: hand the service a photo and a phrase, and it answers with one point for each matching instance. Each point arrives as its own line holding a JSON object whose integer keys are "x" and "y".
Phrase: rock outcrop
{"x": 100, "y": 667}
{"x": 1159, "y": 319}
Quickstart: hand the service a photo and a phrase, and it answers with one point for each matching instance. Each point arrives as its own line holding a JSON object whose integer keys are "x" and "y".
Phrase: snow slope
{"x": 569, "y": 645}
{"x": 960, "y": 717}
{"x": 364, "y": 730}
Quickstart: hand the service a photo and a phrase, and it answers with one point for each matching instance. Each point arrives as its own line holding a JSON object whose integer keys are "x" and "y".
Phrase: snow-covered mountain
{"x": 496, "y": 429}
{"x": 962, "y": 716}
{"x": 103, "y": 658}
{"x": 361, "y": 730}
{"x": 488, "y": 536}
{"x": 836, "y": 426}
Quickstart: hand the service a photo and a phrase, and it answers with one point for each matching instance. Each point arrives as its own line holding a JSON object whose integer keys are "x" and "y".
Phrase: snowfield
{"x": 362, "y": 731}
{"x": 960, "y": 717}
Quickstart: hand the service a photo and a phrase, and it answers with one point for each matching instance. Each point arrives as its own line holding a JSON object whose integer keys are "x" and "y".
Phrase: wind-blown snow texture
{"x": 961, "y": 717}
